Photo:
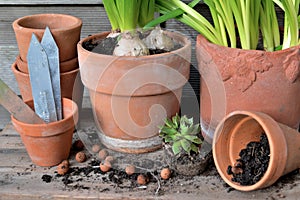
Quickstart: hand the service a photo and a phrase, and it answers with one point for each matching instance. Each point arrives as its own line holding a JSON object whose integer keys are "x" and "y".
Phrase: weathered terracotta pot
{"x": 239, "y": 128}
{"x": 131, "y": 96}
{"x": 64, "y": 28}
{"x": 65, "y": 66}
{"x": 49, "y": 144}
{"x": 71, "y": 85}
{"x": 236, "y": 79}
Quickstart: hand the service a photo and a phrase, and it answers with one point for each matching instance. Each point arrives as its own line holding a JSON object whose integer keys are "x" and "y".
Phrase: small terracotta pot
{"x": 66, "y": 66}
{"x": 71, "y": 85}
{"x": 239, "y": 128}
{"x": 131, "y": 96}
{"x": 49, "y": 144}
{"x": 64, "y": 28}
{"x": 237, "y": 79}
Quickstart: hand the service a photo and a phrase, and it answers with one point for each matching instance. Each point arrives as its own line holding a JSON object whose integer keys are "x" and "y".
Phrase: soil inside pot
{"x": 189, "y": 165}
{"x": 107, "y": 45}
{"x": 252, "y": 164}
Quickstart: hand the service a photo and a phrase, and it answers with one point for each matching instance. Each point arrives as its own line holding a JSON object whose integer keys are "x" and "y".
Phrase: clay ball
{"x": 130, "y": 169}
{"x": 103, "y": 154}
{"x": 105, "y": 166}
{"x": 95, "y": 148}
{"x": 80, "y": 157}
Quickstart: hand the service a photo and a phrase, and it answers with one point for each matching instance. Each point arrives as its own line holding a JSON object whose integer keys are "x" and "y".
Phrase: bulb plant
{"x": 181, "y": 134}
{"x": 245, "y": 19}
{"x": 125, "y": 17}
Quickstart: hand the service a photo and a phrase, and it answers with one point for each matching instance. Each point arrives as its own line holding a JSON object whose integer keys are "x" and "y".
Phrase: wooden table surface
{"x": 20, "y": 179}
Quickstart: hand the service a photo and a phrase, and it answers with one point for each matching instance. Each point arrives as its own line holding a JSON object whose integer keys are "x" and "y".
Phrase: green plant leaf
{"x": 193, "y": 139}
{"x": 169, "y": 123}
{"x": 176, "y": 147}
{"x": 194, "y": 148}
{"x": 168, "y": 131}
{"x": 112, "y": 13}
{"x": 176, "y": 120}
{"x": 147, "y": 9}
{"x": 195, "y": 129}
{"x": 186, "y": 145}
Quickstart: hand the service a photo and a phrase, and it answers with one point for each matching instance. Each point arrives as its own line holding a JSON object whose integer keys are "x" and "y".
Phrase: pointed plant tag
{"x": 40, "y": 81}
{"x": 51, "y": 49}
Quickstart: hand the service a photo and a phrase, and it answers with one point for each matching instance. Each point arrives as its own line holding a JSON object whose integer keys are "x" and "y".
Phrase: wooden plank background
{"x": 91, "y": 12}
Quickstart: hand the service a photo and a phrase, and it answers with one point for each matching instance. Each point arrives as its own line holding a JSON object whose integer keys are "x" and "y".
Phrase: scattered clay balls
{"x": 105, "y": 166}
{"x": 130, "y": 169}
{"x": 103, "y": 154}
{"x": 78, "y": 145}
{"x": 142, "y": 179}
{"x": 109, "y": 159}
{"x": 80, "y": 157}
{"x": 65, "y": 162}
{"x": 95, "y": 148}
{"x": 63, "y": 167}
{"x": 165, "y": 173}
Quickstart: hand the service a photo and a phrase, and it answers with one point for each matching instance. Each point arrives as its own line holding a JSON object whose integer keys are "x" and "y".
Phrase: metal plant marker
{"x": 51, "y": 49}
{"x": 13, "y": 104}
{"x": 43, "y": 65}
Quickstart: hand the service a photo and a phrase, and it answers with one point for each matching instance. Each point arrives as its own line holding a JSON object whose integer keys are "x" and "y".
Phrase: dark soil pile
{"x": 107, "y": 45}
{"x": 253, "y": 162}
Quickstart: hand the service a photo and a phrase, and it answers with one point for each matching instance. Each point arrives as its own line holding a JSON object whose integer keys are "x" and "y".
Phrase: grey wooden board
{"x": 4, "y": 117}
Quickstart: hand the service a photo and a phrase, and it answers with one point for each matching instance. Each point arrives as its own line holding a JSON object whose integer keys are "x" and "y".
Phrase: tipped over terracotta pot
{"x": 49, "y": 144}
{"x": 238, "y": 129}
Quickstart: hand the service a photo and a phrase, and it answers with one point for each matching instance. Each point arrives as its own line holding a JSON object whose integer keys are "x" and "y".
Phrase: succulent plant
{"x": 181, "y": 134}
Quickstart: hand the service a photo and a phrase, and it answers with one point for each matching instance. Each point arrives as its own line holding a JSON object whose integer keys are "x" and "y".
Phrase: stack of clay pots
{"x": 47, "y": 144}
{"x": 66, "y": 32}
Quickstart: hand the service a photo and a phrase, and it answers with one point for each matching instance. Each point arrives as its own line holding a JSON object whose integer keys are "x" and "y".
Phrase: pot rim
{"x": 15, "y": 68}
{"x": 200, "y": 39}
{"x": 77, "y": 22}
{"x": 185, "y": 44}
{"x": 69, "y": 122}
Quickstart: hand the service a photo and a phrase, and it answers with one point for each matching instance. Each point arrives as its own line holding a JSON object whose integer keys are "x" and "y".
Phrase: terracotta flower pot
{"x": 71, "y": 85}
{"x": 237, "y": 79}
{"x": 65, "y": 66}
{"x": 49, "y": 144}
{"x": 64, "y": 28}
{"x": 131, "y": 96}
{"x": 239, "y": 128}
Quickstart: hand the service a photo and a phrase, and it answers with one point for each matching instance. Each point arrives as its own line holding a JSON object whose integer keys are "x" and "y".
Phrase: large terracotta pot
{"x": 49, "y": 144}
{"x": 71, "y": 85}
{"x": 64, "y": 28}
{"x": 236, "y": 79}
{"x": 239, "y": 128}
{"x": 131, "y": 96}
